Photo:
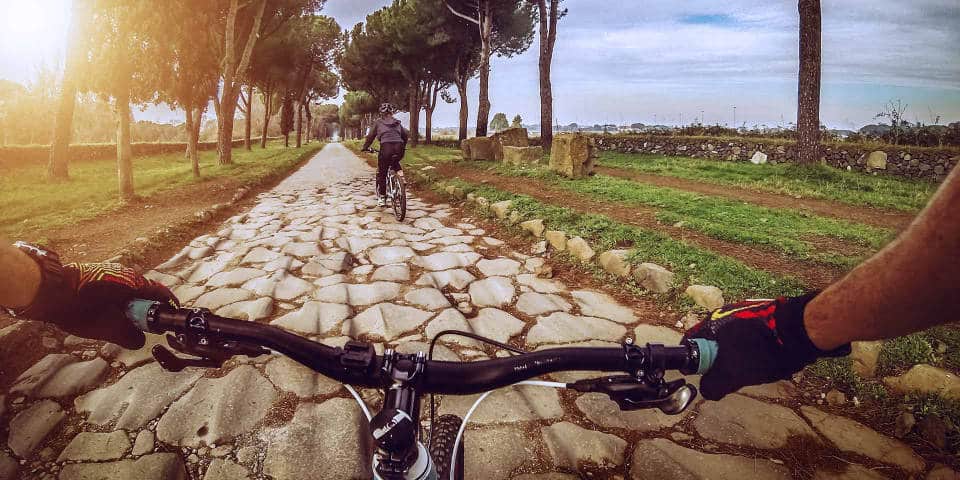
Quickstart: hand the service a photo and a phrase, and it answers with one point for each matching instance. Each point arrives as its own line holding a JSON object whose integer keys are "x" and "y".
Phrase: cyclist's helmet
{"x": 387, "y": 108}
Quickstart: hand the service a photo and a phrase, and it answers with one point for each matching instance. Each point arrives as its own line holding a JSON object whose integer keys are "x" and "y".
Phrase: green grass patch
{"x": 813, "y": 181}
{"x": 785, "y": 230}
{"x": 30, "y": 203}
{"x": 690, "y": 263}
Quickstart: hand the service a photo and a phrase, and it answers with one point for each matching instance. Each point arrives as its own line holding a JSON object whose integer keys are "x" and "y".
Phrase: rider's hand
{"x": 90, "y": 301}
{"x": 758, "y": 342}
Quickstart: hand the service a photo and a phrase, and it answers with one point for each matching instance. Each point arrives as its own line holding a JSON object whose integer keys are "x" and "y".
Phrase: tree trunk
{"x": 464, "y": 108}
{"x": 228, "y": 109}
{"x": 62, "y": 130}
{"x": 232, "y": 69}
{"x": 808, "y": 89}
{"x": 57, "y": 167}
{"x": 548, "y": 38}
{"x": 191, "y": 141}
{"x": 414, "y": 107}
{"x": 266, "y": 117}
{"x": 124, "y": 150}
{"x": 246, "y": 129}
{"x": 483, "y": 109}
{"x": 299, "y": 124}
{"x": 428, "y": 137}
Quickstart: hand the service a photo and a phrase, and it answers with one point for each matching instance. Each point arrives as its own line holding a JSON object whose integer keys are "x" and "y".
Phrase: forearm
{"x": 912, "y": 284}
{"x": 19, "y": 276}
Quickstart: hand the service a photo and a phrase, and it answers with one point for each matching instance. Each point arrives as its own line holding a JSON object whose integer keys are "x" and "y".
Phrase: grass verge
{"x": 797, "y": 234}
{"x": 33, "y": 204}
{"x": 692, "y": 265}
{"x": 815, "y": 181}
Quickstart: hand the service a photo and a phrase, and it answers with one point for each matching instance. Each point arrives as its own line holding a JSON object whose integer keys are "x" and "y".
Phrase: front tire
{"x": 441, "y": 446}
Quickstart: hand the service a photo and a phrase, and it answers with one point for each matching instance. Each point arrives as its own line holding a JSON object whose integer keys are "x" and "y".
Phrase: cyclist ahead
{"x": 393, "y": 141}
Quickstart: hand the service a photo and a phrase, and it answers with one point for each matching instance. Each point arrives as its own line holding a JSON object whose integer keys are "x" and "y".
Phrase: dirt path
{"x": 812, "y": 274}
{"x": 869, "y": 216}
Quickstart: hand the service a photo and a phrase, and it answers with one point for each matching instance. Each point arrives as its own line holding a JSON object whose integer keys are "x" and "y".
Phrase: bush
{"x": 13, "y": 156}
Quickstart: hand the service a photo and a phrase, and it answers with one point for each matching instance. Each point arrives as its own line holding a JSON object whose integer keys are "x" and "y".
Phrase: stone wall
{"x": 932, "y": 163}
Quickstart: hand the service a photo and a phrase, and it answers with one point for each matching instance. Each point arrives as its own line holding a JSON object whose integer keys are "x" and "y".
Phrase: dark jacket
{"x": 387, "y": 131}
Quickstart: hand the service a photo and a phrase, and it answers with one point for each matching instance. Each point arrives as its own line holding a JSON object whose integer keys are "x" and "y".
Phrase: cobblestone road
{"x": 314, "y": 256}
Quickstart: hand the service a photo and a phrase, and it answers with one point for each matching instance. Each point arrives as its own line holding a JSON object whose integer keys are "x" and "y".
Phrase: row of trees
{"x": 192, "y": 54}
{"x": 410, "y": 51}
{"x": 413, "y": 52}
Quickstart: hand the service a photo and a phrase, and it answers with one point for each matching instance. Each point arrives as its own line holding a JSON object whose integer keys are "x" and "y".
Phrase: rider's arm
{"x": 908, "y": 286}
{"x": 371, "y": 136}
{"x": 404, "y": 134}
{"x": 20, "y": 279}
{"x": 84, "y": 299}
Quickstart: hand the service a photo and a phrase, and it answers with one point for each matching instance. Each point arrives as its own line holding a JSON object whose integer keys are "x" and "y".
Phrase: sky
{"x": 624, "y": 61}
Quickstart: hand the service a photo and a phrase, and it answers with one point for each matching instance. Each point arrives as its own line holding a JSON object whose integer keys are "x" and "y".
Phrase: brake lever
{"x": 212, "y": 354}
{"x": 631, "y": 394}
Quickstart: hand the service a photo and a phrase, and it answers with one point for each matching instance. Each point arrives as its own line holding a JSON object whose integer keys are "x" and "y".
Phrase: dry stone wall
{"x": 933, "y": 163}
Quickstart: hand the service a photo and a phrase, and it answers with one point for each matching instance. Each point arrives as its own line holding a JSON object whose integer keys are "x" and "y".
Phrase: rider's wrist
{"x": 46, "y": 299}
{"x": 792, "y": 331}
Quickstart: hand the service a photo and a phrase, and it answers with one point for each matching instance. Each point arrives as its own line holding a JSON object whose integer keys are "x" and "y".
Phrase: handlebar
{"x": 357, "y": 364}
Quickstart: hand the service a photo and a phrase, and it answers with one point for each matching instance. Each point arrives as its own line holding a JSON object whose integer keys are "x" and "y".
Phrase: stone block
{"x": 573, "y": 155}
{"x": 522, "y": 155}
{"x": 653, "y": 277}
{"x": 535, "y": 227}
{"x": 557, "y": 239}
{"x": 877, "y": 160}
{"x": 708, "y": 297}
{"x": 758, "y": 158}
{"x": 580, "y": 249}
{"x": 615, "y": 262}
{"x": 479, "y": 148}
{"x": 501, "y": 209}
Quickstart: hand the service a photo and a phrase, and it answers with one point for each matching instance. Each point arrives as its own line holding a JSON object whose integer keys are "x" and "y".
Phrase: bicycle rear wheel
{"x": 399, "y": 198}
{"x": 441, "y": 447}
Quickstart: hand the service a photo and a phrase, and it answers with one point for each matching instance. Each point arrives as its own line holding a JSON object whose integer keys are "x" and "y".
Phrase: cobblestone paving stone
{"x": 315, "y": 257}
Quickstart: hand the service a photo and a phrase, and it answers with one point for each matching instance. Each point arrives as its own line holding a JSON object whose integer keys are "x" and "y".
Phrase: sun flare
{"x": 32, "y": 32}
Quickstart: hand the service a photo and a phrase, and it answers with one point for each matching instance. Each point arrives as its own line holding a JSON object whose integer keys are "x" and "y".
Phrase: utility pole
{"x": 734, "y": 117}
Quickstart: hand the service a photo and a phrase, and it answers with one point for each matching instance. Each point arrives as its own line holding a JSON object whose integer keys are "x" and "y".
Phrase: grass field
{"x": 30, "y": 203}
{"x": 817, "y": 181}
{"x": 792, "y": 232}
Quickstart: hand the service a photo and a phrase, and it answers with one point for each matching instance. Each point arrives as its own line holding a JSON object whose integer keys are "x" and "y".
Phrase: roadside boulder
{"x": 653, "y": 277}
{"x": 615, "y": 262}
{"x": 877, "y": 160}
{"x": 758, "y": 158}
{"x": 557, "y": 239}
{"x": 706, "y": 296}
{"x": 522, "y": 155}
{"x": 580, "y": 249}
{"x": 500, "y": 209}
{"x": 478, "y": 148}
{"x": 573, "y": 155}
{"x": 865, "y": 356}
{"x": 926, "y": 379}
{"x": 535, "y": 227}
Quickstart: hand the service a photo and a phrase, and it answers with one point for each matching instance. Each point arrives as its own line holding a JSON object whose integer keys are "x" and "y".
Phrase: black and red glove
{"x": 88, "y": 300}
{"x": 758, "y": 342}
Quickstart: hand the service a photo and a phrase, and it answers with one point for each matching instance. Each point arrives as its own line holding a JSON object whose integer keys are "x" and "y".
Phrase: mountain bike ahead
{"x": 399, "y": 453}
{"x": 396, "y": 191}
